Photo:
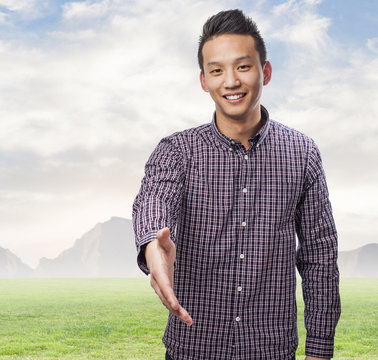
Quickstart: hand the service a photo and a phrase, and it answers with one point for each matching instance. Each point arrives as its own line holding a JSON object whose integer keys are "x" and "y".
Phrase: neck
{"x": 240, "y": 128}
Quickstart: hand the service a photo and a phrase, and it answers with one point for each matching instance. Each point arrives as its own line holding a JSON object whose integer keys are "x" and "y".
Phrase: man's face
{"x": 233, "y": 75}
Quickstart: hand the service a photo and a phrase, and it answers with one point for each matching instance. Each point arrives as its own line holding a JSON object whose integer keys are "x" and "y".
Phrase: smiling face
{"x": 234, "y": 77}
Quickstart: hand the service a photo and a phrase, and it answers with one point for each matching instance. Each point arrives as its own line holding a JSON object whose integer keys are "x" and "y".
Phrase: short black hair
{"x": 231, "y": 22}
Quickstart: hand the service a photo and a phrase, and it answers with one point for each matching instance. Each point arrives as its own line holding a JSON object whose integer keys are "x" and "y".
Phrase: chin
{"x": 237, "y": 115}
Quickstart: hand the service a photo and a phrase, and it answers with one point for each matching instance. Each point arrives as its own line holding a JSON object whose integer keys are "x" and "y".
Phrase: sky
{"x": 88, "y": 88}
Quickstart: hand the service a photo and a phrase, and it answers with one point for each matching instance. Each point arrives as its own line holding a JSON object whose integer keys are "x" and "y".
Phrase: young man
{"x": 218, "y": 211}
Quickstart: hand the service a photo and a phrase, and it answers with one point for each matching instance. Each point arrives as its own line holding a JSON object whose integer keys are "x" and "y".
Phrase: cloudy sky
{"x": 87, "y": 89}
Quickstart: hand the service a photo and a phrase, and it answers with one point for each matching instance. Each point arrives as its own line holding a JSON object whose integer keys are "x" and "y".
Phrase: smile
{"x": 234, "y": 97}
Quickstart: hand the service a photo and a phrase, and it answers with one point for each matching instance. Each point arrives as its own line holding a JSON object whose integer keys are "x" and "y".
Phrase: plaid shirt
{"x": 233, "y": 215}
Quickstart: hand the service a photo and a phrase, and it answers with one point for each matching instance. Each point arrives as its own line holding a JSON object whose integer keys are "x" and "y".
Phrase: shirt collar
{"x": 254, "y": 140}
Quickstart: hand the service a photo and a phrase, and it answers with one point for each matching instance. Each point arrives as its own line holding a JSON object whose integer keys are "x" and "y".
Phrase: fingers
{"x": 172, "y": 305}
{"x": 161, "y": 269}
{"x": 163, "y": 299}
{"x": 162, "y": 282}
{"x": 183, "y": 315}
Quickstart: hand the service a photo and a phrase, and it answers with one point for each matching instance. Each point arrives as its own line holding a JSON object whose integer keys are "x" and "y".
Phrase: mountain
{"x": 359, "y": 263}
{"x": 11, "y": 266}
{"x": 107, "y": 250}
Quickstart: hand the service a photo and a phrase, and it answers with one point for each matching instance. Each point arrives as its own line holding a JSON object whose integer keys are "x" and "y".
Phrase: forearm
{"x": 317, "y": 262}
{"x": 317, "y": 265}
{"x": 320, "y": 286}
{"x": 322, "y": 311}
{"x": 148, "y": 218}
{"x": 157, "y": 203}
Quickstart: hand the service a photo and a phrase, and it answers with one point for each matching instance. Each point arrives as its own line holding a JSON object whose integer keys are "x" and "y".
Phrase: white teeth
{"x": 234, "y": 97}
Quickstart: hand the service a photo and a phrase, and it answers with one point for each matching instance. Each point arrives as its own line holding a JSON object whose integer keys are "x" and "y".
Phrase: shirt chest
{"x": 265, "y": 179}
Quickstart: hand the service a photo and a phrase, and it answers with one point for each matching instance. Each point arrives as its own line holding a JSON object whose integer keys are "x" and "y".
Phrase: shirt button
{"x": 241, "y": 256}
{"x": 230, "y": 149}
{"x": 240, "y": 288}
{"x": 237, "y": 319}
{"x": 244, "y": 223}
{"x": 244, "y": 190}
{"x": 232, "y": 142}
{"x": 246, "y": 157}
{"x": 257, "y": 145}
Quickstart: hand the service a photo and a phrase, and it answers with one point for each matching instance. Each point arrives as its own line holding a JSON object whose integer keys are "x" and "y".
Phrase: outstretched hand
{"x": 160, "y": 256}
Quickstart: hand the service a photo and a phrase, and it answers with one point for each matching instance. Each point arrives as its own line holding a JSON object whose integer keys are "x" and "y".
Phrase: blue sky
{"x": 352, "y": 21}
{"x": 88, "y": 88}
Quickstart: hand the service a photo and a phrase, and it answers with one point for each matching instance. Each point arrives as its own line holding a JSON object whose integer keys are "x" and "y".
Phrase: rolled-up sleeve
{"x": 317, "y": 259}
{"x": 158, "y": 201}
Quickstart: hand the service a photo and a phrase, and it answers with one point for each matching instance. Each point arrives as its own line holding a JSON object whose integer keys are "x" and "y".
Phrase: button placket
{"x": 243, "y": 201}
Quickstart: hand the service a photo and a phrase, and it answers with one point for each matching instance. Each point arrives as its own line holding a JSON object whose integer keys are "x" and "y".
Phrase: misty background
{"x": 88, "y": 88}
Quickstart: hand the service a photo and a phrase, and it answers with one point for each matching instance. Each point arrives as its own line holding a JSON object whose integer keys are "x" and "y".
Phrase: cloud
{"x": 75, "y": 36}
{"x": 23, "y": 11}
{"x": 355, "y": 228}
{"x": 19, "y": 5}
{"x": 109, "y": 86}
{"x": 297, "y": 24}
{"x": 372, "y": 45}
{"x": 3, "y": 17}
{"x": 85, "y": 9}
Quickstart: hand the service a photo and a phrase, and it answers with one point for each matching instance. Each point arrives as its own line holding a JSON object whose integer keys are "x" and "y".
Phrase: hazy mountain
{"x": 359, "y": 263}
{"x": 107, "y": 250}
{"x": 11, "y": 266}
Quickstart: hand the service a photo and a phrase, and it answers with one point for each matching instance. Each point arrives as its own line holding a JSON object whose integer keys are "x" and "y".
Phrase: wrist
{"x": 148, "y": 251}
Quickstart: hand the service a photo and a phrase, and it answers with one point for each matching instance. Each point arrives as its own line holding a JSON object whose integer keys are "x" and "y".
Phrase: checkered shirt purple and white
{"x": 234, "y": 215}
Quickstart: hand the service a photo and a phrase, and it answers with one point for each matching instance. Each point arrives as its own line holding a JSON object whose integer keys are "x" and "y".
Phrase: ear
{"x": 203, "y": 82}
{"x": 267, "y": 71}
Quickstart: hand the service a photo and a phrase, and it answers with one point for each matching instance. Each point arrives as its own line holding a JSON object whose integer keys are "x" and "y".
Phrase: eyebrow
{"x": 246, "y": 57}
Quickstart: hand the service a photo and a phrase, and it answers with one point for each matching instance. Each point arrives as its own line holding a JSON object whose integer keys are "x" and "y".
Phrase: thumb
{"x": 163, "y": 237}
{"x": 163, "y": 234}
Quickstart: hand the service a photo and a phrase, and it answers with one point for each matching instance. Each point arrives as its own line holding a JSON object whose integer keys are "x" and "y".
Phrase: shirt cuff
{"x": 319, "y": 348}
{"x": 141, "y": 259}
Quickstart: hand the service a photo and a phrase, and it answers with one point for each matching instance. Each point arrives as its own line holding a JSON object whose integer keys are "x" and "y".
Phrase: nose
{"x": 231, "y": 80}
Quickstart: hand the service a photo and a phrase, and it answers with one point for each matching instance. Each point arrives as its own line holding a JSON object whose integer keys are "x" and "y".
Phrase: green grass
{"x": 357, "y": 330}
{"x": 123, "y": 319}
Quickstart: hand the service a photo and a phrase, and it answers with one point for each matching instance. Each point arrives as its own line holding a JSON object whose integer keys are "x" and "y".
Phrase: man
{"x": 218, "y": 211}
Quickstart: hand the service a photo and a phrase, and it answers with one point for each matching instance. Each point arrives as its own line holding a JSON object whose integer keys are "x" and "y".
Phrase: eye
{"x": 244, "y": 67}
{"x": 215, "y": 71}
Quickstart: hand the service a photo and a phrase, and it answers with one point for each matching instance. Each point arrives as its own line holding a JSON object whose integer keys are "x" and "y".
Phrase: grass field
{"x": 123, "y": 319}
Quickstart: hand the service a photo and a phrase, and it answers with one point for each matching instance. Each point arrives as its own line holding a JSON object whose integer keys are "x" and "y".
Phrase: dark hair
{"x": 231, "y": 22}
